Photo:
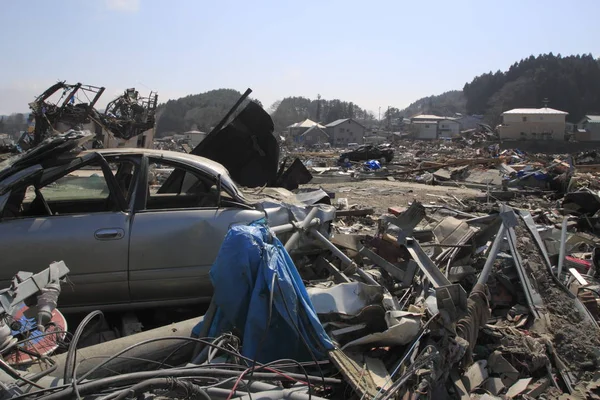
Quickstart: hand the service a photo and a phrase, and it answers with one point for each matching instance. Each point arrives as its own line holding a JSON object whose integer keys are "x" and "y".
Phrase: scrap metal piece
{"x": 405, "y": 276}
{"x": 530, "y": 224}
{"x": 354, "y": 374}
{"x": 347, "y": 299}
{"x": 407, "y": 221}
{"x": 533, "y": 297}
{"x": 563, "y": 247}
{"x": 445, "y": 290}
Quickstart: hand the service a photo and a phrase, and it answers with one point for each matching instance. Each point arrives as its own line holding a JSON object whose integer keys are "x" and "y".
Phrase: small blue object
{"x": 250, "y": 265}
{"x": 373, "y": 164}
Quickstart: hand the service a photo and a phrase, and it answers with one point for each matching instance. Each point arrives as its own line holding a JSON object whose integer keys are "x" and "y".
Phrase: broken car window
{"x": 84, "y": 190}
{"x": 193, "y": 189}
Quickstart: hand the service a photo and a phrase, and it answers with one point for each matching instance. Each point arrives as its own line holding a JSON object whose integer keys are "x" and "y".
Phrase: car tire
{"x": 346, "y": 160}
{"x": 383, "y": 160}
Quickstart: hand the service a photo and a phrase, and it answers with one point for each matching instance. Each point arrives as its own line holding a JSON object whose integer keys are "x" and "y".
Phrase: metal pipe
{"x": 487, "y": 268}
{"x": 346, "y": 261}
{"x": 292, "y": 226}
{"x": 303, "y": 226}
{"x": 563, "y": 247}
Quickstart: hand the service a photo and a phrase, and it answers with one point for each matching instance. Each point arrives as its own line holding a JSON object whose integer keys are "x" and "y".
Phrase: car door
{"x": 74, "y": 213}
{"x": 175, "y": 237}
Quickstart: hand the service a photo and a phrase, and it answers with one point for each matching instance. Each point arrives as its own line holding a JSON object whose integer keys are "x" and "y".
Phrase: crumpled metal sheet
{"x": 403, "y": 328}
{"x": 346, "y": 298}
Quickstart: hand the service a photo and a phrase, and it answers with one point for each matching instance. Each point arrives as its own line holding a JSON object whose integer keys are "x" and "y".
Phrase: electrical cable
{"x": 406, "y": 354}
{"x": 266, "y": 366}
{"x": 128, "y": 358}
{"x": 93, "y": 386}
{"x": 41, "y": 374}
{"x": 94, "y": 369}
{"x": 189, "y": 388}
{"x": 29, "y": 339}
{"x": 72, "y": 353}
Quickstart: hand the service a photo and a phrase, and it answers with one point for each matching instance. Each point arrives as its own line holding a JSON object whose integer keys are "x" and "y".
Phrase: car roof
{"x": 203, "y": 163}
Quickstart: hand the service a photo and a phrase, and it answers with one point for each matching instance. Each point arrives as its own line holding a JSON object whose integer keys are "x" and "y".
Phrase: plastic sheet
{"x": 250, "y": 266}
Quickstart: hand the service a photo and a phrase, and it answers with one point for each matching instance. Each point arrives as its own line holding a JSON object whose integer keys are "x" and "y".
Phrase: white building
{"x": 194, "y": 137}
{"x": 424, "y": 129}
{"x": 533, "y": 123}
{"x": 448, "y": 128}
{"x": 426, "y": 126}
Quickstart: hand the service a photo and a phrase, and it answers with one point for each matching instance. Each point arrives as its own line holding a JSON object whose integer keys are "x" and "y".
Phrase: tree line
{"x": 13, "y": 123}
{"x": 290, "y": 110}
{"x": 199, "y": 111}
{"x": 570, "y": 84}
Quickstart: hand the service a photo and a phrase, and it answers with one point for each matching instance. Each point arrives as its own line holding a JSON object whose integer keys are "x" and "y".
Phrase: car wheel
{"x": 382, "y": 160}
{"x": 346, "y": 160}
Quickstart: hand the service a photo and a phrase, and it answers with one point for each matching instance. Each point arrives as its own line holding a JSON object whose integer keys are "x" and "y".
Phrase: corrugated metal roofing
{"x": 535, "y": 111}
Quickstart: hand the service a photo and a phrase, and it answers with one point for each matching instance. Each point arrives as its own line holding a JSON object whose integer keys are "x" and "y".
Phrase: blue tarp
{"x": 242, "y": 277}
{"x": 372, "y": 165}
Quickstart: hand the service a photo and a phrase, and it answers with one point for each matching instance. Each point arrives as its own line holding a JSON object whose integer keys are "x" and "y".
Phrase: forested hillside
{"x": 570, "y": 84}
{"x": 294, "y": 109}
{"x": 445, "y": 104}
{"x": 202, "y": 111}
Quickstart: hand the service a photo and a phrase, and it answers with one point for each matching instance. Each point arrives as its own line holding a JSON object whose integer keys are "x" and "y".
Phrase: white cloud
{"x": 123, "y": 5}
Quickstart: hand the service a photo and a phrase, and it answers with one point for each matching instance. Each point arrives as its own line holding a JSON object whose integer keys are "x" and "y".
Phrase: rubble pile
{"x": 487, "y": 292}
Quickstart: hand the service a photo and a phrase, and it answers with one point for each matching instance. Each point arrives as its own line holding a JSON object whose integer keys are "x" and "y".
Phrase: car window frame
{"x": 137, "y": 160}
{"x": 143, "y": 188}
{"x": 38, "y": 181}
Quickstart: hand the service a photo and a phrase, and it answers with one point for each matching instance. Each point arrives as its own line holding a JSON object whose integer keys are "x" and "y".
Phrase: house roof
{"x": 593, "y": 119}
{"x": 428, "y": 117}
{"x": 315, "y": 129}
{"x": 535, "y": 111}
{"x": 307, "y": 123}
{"x": 341, "y": 121}
{"x": 425, "y": 122}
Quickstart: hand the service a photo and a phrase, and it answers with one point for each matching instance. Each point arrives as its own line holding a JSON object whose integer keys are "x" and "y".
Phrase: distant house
{"x": 313, "y": 136}
{"x": 427, "y": 126}
{"x": 468, "y": 121}
{"x": 426, "y": 117}
{"x": 344, "y": 131}
{"x": 297, "y": 129}
{"x": 194, "y": 137}
{"x": 533, "y": 123}
{"x": 424, "y": 129}
{"x": 448, "y": 128}
{"x": 588, "y": 129}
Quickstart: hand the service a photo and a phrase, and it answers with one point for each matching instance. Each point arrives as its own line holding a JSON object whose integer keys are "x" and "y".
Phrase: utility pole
{"x": 318, "y": 108}
{"x": 389, "y": 118}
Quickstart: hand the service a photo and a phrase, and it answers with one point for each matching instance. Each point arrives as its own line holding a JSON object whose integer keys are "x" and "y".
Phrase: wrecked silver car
{"x": 136, "y": 226}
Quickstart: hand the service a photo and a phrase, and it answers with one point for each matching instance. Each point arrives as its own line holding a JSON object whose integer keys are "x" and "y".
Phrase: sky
{"x": 374, "y": 53}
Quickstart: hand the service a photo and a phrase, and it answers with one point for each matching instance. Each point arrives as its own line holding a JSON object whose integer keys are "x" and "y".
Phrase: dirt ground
{"x": 382, "y": 194}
